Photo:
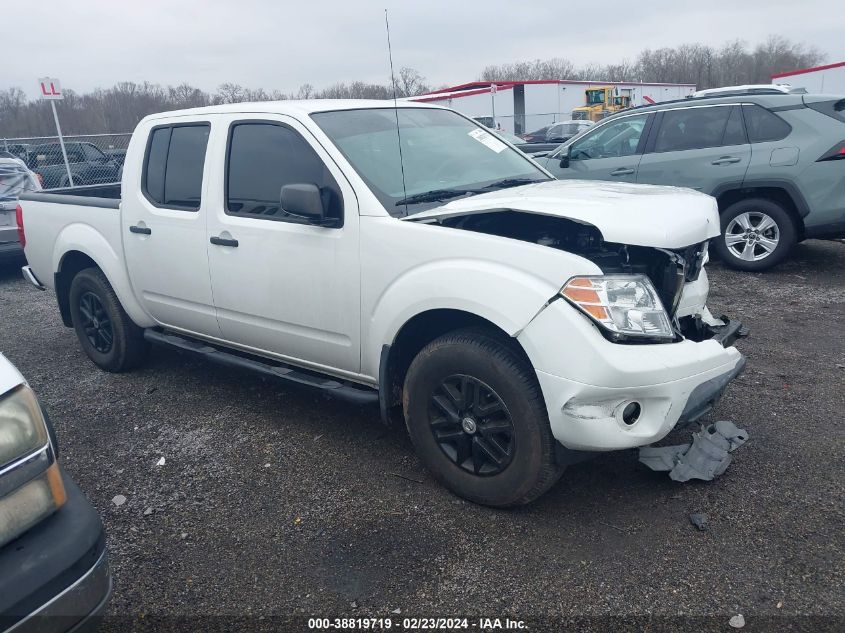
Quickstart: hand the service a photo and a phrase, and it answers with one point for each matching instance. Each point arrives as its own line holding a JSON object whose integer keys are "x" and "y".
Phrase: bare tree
{"x": 186, "y": 96}
{"x": 120, "y": 107}
{"x": 306, "y": 91}
{"x": 229, "y": 93}
{"x": 410, "y": 83}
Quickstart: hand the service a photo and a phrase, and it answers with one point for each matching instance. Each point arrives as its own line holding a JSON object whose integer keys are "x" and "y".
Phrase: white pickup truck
{"x": 404, "y": 255}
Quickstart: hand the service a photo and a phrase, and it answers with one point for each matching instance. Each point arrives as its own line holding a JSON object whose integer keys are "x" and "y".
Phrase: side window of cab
{"x": 618, "y": 138}
{"x": 265, "y": 156}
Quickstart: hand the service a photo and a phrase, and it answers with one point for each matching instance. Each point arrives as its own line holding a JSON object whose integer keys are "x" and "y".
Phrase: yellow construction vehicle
{"x": 602, "y": 102}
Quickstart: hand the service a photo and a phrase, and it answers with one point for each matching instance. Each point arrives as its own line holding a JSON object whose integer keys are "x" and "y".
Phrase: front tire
{"x": 478, "y": 421}
{"x": 756, "y": 235}
{"x": 107, "y": 334}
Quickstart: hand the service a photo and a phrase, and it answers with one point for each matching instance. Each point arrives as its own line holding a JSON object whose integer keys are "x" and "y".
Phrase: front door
{"x": 164, "y": 233}
{"x": 283, "y": 286}
{"x": 611, "y": 151}
{"x": 702, "y": 147}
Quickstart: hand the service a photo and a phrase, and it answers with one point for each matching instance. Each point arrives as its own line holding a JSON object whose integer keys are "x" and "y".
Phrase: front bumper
{"x": 588, "y": 382}
{"x": 56, "y": 575}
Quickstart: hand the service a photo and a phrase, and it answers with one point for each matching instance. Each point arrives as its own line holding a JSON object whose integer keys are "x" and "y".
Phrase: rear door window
{"x": 692, "y": 128}
{"x": 734, "y": 131}
{"x": 764, "y": 126}
{"x": 174, "y": 166}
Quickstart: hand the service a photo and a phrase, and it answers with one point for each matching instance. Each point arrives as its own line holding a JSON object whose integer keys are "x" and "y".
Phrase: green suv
{"x": 774, "y": 161}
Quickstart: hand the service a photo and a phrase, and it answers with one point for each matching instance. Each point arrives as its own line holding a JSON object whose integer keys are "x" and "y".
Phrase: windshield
{"x": 595, "y": 96}
{"x": 444, "y": 156}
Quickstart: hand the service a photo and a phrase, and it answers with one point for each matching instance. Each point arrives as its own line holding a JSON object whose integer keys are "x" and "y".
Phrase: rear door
{"x": 163, "y": 221}
{"x": 281, "y": 285}
{"x": 775, "y": 154}
{"x": 701, "y": 147}
{"x": 611, "y": 151}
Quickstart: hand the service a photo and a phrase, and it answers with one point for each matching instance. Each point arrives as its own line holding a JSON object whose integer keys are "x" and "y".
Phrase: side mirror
{"x": 564, "y": 160}
{"x": 305, "y": 202}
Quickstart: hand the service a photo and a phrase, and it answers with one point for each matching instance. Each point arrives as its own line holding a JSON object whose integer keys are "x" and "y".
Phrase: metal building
{"x": 523, "y": 106}
{"x": 828, "y": 79}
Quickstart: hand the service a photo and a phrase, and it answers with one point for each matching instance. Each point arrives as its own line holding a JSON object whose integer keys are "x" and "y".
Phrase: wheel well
{"x": 775, "y": 194}
{"x": 418, "y": 332}
{"x": 71, "y": 264}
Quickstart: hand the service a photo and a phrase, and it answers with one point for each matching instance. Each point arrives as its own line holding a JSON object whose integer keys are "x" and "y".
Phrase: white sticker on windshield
{"x": 485, "y": 138}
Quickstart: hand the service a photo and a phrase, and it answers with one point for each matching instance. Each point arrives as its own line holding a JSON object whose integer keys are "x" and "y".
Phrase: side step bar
{"x": 346, "y": 391}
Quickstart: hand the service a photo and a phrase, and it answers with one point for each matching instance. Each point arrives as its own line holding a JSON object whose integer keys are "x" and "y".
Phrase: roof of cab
{"x": 292, "y": 106}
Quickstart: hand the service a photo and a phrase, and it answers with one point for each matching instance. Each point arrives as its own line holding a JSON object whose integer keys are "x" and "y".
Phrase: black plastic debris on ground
{"x": 707, "y": 457}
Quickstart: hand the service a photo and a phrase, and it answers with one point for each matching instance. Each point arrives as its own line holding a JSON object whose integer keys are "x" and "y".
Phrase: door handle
{"x": 222, "y": 241}
{"x": 726, "y": 160}
{"x": 141, "y": 230}
{"x": 622, "y": 171}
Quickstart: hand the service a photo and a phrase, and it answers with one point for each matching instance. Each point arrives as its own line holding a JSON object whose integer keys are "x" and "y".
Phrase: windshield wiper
{"x": 433, "y": 196}
{"x": 509, "y": 182}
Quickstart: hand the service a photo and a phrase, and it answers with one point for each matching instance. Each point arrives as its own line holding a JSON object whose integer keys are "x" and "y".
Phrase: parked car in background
{"x": 55, "y": 572}
{"x": 555, "y": 134}
{"x": 460, "y": 287}
{"x": 15, "y": 179}
{"x": 774, "y": 160}
{"x": 513, "y": 139}
{"x": 117, "y": 154}
{"x": 537, "y": 136}
{"x": 16, "y": 150}
{"x": 88, "y": 165}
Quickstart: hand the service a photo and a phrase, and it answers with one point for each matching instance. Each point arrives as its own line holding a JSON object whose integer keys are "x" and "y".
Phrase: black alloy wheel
{"x": 96, "y": 322}
{"x": 472, "y": 425}
{"x": 107, "y": 334}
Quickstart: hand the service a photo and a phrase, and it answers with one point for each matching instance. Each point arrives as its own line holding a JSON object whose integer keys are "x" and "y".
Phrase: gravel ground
{"x": 276, "y": 502}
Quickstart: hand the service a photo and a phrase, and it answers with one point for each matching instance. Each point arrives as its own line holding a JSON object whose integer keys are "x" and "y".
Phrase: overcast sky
{"x": 278, "y": 44}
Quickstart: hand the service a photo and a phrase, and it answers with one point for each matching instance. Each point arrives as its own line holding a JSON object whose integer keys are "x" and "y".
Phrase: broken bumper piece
{"x": 705, "y": 396}
{"x": 707, "y": 457}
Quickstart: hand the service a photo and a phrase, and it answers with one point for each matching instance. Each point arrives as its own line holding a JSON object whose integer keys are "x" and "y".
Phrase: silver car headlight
{"x": 625, "y": 306}
{"x": 22, "y": 427}
{"x": 31, "y": 485}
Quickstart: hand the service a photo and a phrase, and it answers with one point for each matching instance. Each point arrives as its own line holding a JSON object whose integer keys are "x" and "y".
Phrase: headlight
{"x": 624, "y": 305}
{"x": 29, "y": 504}
{"x": 31, "y": 485}
{"x": 22, "y": 428}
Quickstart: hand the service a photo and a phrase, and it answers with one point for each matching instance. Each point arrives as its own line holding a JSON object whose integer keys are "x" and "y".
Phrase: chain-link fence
{"x": 92, "y": 159}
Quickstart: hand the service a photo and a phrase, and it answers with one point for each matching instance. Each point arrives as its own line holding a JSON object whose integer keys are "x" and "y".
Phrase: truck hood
{"x": 639, "y": 215}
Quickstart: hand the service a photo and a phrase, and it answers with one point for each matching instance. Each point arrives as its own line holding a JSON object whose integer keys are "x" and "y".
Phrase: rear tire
{"x": 107, "y": 334}
{"x": 478, "y": 421}
{"x": 756, "y": 234}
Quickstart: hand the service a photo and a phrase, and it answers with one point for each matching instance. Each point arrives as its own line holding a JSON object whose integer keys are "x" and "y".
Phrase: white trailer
{"x": 829, "y": 79}
{"x": 525, "y": 106}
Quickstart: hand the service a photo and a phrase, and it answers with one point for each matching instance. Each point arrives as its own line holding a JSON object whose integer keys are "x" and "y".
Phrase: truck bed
{"x": 107, "y": 195}
{"x": 63, "y": 220}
